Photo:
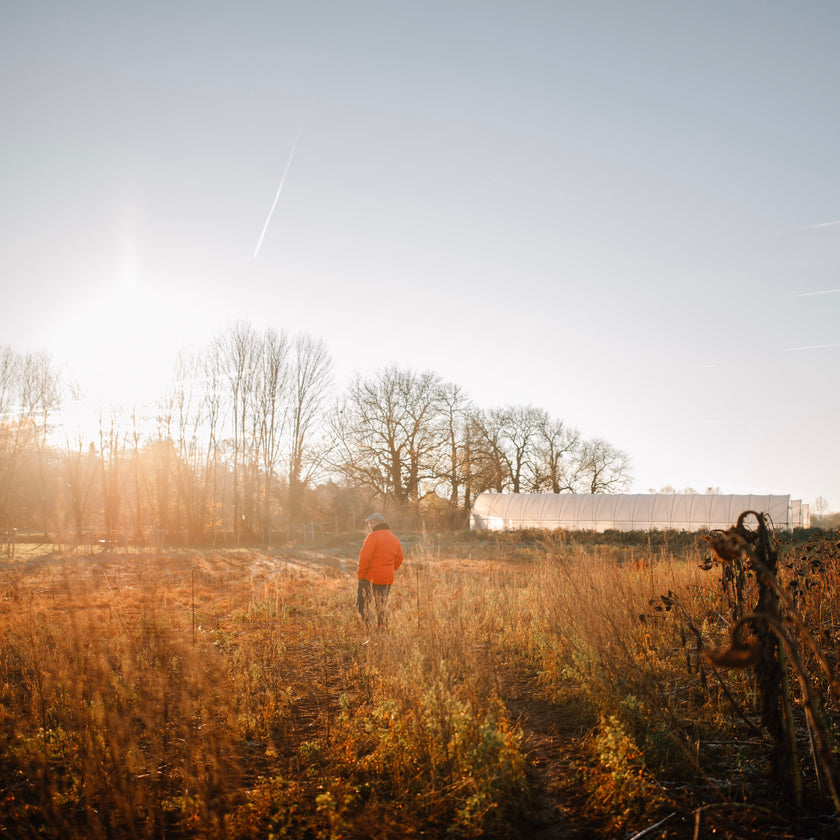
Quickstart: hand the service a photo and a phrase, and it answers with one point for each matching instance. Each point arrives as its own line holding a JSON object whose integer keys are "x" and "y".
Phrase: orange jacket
{"x": 380, "y": 557}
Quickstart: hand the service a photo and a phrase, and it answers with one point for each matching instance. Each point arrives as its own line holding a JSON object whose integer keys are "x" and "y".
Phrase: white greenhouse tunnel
{"x": 630, "y": 512}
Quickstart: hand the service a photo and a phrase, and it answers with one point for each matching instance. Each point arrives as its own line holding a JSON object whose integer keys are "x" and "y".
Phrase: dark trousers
{"x": 373, "y": 597}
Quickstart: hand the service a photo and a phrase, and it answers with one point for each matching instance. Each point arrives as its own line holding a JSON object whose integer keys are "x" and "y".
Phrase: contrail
{"x": 811, "y": 294}
{"x": 812, "y": 347}
{"x": 798, "y": 228}
{"x": 823, "y": 224}
{"x": 279, "y": 189}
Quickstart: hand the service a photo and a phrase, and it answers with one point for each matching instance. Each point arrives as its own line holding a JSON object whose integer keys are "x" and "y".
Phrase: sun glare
{"x": 113, "y": 349}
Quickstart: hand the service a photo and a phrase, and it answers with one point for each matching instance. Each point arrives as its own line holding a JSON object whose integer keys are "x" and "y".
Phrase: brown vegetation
{"x": 549, "y": 686}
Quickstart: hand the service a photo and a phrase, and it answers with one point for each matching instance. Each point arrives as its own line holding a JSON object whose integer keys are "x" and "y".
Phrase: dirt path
{"x": 552, "y": 736}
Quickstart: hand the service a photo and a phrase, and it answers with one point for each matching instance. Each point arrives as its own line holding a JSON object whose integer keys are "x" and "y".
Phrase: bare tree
{"x": 603, "y": 468}
{"x": 137, "y": 496}
{"x": 246, "y": 424}
{"x": 213, "y": 412}
{"x": 821, "y": 517}
{"x": 489, "y": 464}
{"x": 238, "y": 350}
{"x": 39, "y": 391}
{"x": 9, "y": 367}
{"x": 111, "y": 451}
{"x": 555, "y": 451}
{"x": 41, "y": 397}
{"x": 202, "y": 409}
{"x": 505, "y": 446}
{"x": 10, "y": 433}
{"x": 81, "y": 464}
{"x": 385, "y": 433}
{"x": 272, "y": 386}
{"x": 190, "y": 398}
{"x": 29, "y": 396}
{"x": 161, "y": 455}
{"x": 521, "y": 426}
{"x": 310, "y": 382}
{"x": 455, "y": 412}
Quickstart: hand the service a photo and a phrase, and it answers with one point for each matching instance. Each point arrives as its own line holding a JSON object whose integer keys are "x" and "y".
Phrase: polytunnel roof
{"x": 624, "y": 512}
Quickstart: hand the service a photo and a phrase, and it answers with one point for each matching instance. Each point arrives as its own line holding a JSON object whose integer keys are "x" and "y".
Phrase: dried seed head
{"x": 737, "y": 655}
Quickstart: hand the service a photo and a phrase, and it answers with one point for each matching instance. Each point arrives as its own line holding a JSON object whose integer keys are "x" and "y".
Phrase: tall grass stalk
{"x": 235, "y": 696}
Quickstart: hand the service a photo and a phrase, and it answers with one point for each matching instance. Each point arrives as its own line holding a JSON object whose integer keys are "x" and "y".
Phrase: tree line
{"x": 253, "y": 441}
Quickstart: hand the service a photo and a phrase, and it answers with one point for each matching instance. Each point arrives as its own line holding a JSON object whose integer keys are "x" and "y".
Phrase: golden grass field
{"x": 529, "y": 686}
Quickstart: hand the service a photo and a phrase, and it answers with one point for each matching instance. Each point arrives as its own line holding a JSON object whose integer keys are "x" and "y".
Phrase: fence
{"x": 91, "y": 541}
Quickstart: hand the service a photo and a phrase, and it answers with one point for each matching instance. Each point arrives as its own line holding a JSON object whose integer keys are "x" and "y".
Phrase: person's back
{"x": 380, "y": 557}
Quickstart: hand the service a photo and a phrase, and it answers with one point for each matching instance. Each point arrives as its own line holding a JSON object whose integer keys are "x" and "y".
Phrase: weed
{"x": 227, "y": 695}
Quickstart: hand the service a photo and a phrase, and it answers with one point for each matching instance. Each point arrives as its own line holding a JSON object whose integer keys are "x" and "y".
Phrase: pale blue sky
{"x": 618, "y": 211}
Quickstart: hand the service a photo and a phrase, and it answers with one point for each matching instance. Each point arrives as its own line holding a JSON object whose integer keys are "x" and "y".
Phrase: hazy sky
{"x": 626, "y": 213}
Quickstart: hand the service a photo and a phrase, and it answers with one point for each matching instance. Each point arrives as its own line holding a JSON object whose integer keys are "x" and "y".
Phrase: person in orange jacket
{"x": 380, "y": 557}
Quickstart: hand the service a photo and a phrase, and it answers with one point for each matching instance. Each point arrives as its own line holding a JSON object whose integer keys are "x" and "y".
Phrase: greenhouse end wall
{"x": 629, "y": 512}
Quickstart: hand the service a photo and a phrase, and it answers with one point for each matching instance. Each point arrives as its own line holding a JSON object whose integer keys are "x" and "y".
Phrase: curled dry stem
{"x": 716, "y": 673}
{"x": 793, "y": 615}
{"x": 815, "y": 718}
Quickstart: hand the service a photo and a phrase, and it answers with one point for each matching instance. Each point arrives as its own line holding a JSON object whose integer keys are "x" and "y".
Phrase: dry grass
{"x": 534, "y": 687}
